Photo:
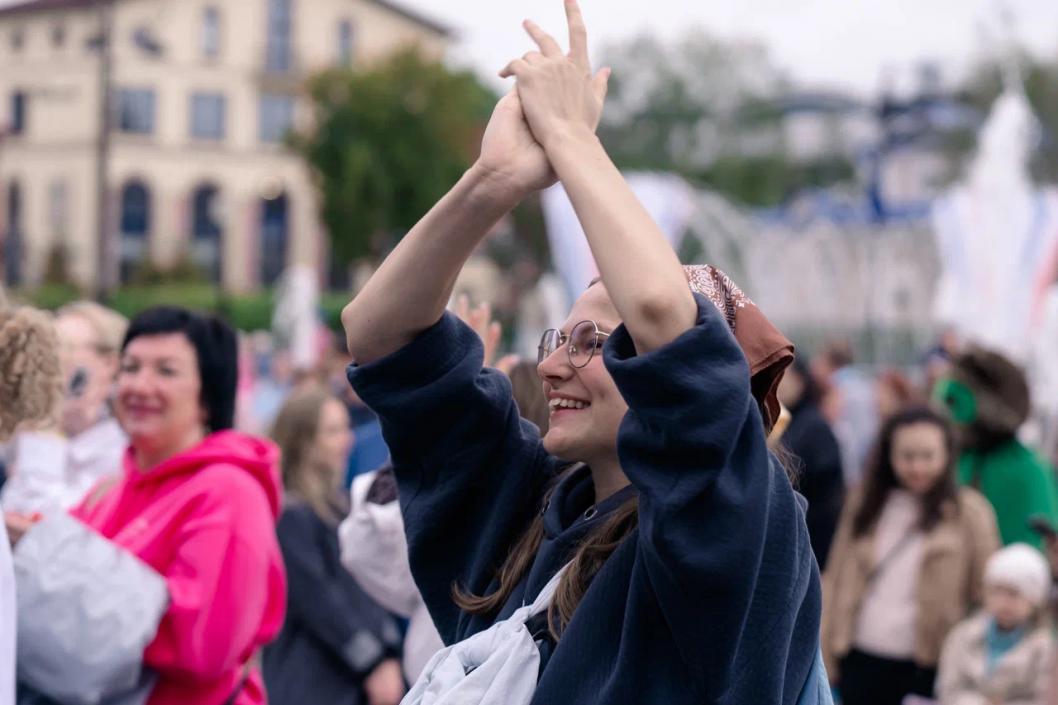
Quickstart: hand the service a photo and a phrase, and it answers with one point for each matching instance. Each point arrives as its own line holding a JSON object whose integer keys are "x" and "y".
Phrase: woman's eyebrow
{"x": 167, "y": 360}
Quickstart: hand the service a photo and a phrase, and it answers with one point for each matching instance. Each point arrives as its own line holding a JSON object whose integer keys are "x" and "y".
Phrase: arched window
{"x": 207, "y": 231}
{"x": 274, "y": 235}
{"x": 135, "y": 227}
{"x": 13, "y": 236}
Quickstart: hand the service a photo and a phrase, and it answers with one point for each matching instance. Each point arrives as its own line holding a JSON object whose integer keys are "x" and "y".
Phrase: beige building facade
{"x": 203, "y": 92}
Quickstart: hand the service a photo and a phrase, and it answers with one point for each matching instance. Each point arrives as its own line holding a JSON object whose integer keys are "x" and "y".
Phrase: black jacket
{"x": 821, "y": 481}
{"x": 334, "y": 634}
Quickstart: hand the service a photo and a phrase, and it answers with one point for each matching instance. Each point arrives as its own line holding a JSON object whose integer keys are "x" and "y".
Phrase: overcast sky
{"x": 840, "y": 43}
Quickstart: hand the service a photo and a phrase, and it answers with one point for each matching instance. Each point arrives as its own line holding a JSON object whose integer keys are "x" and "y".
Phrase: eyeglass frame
{"x": 564, "y": 338}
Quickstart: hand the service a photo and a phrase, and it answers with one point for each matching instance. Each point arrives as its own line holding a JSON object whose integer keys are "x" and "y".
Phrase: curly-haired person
{"x": 30, "y": 393}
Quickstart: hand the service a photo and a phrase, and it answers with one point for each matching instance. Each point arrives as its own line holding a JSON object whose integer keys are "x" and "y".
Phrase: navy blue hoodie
{"x": 714, "y": 598}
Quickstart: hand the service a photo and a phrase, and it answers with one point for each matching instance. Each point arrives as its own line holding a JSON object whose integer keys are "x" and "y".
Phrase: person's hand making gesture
{"x": 559, "y": 95}
{"x": 489, "y": 330}
{"x": 562, "y": 101}
{"x": 410, "y": 290}
{"x": 509, "y": 152}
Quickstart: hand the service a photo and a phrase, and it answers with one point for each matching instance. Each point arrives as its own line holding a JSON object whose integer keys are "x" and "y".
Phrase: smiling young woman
{"x": 651, "y": 531}
{"x": 906, "y": 564}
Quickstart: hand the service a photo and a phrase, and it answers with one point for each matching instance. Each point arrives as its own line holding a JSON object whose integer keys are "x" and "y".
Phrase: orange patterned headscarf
{"x": 767, "y": 351}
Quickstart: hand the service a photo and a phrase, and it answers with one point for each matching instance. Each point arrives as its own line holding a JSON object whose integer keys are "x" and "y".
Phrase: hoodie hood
{"x": 258, "y": 457}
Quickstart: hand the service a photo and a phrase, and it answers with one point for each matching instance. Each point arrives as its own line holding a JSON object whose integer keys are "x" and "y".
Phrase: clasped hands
{"x": 556, "y": 101}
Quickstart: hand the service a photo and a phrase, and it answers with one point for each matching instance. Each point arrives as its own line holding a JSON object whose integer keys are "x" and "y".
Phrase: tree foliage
{"x": 389, "y": 139}
{"x": 675, "y": 105}
{"x": 710, "y": 110}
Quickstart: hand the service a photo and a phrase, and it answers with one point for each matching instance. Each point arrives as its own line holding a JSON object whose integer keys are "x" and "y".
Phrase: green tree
{"x": 389, "y": 139}
{"x": 678, "y": 104}
{"x": 708, "y": 109}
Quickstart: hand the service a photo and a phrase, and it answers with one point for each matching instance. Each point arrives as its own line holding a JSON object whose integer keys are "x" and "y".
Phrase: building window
{"x": 206, "y": 231}
{"x": 274, "y": 233}
{"x": 18, "y": 112}
{"x": 136, "y": 111}
{"x": 278, "y": 51}
{"x": 276, "y": 117}
{"x": 211, "y": 33}
{"x": 135, "y": 227}
{"x": 58, "y": 36}
{"x": 58, "y": 210}
{"x": 18, "y": 39}
{"x": 345, "y": 42}
{"x": 12, "y": 246}
{"x": 207, "y": 116}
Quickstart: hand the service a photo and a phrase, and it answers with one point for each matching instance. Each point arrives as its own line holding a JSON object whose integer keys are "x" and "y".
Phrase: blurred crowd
{"x": 325, "y": 608}
{"x": 934, "y": 526}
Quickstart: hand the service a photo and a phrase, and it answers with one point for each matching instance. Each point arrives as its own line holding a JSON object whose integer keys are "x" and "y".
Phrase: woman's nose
{"x": 136, "y": 381}
{"x": 555, "y": 366}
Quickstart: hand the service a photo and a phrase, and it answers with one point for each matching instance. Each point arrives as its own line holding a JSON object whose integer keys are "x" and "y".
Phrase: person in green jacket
{"x": 988, "y": 399}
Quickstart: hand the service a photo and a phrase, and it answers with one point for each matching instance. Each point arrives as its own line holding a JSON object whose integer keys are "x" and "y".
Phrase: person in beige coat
{"x": 906, "y": 564}
{"x": 1004, "y": 654}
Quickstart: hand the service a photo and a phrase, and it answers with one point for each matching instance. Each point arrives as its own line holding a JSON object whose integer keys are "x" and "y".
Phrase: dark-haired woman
{"x": 906, "y": 565}
{"x": 650, "y": 528}
{"x": 196, "y": 507}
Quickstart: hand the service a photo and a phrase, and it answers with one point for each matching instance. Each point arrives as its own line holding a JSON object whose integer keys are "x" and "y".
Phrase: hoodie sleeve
{"x": 222, "y": 581}
{"x": 330, "y": 605}
{"x": 38, "y": 475}
{"x": 723, "y": 548}
{"x": 469, "y": 469}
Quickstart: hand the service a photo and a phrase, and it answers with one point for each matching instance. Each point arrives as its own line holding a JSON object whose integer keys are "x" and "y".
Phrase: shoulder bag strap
{"x": 896, "y": 550}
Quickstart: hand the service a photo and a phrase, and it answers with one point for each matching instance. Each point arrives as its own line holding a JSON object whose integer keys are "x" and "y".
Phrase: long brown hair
{"x": 295, "y": 432}
{"x": 881, "y": 478}
{"x": 587, "y": 560}
{"x": 768, "y": 353}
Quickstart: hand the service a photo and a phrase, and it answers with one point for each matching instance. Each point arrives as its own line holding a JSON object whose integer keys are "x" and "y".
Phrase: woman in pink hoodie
{"x": 197, "y": 503}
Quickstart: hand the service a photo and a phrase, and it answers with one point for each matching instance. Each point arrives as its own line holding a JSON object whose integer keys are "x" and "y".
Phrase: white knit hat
{"x": 1023, "y": 568}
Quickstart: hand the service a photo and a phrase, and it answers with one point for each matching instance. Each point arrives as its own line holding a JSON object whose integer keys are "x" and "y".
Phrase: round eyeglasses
{"x": 584, "y": 340}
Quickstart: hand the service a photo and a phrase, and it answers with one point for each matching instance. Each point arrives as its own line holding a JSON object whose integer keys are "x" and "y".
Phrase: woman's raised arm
{"x": 409, "y": 291}
{"x": 562, "y": 103}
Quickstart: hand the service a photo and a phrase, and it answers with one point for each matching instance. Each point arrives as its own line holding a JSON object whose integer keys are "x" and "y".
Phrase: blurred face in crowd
{"x": 159, "y": 393}
{"x": 791, "y": 387}
{"x": 282, "y": 368}
{"x": 1008, "y": 607}
{"x": 586, "y": 408}
{"x": 334, "y": 440}
{"x": 88, "y": 369}
{"x": 886, "y": 398}
{"x": 1050, "y": 544}
{"x": 919, "y": 456}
